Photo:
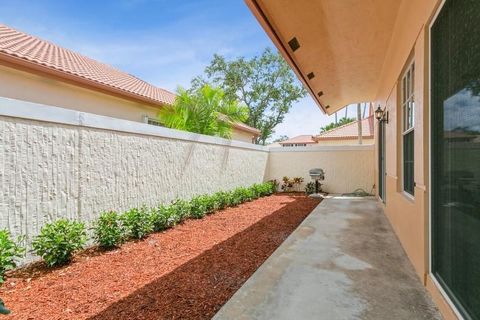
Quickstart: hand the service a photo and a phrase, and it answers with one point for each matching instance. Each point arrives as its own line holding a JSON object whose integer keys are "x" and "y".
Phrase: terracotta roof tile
{"x": 39, "y": 52}
{"x": 349, "y": 130}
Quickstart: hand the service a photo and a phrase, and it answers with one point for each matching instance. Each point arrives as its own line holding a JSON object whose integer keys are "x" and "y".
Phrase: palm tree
{"x": 204, "y": 111}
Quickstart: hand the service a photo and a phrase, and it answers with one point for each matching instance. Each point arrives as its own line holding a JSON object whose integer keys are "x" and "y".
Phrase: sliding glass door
{"x": 455, "y": 157}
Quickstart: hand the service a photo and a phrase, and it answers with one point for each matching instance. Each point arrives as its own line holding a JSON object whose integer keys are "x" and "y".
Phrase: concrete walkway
{"x": 343, "y": 262}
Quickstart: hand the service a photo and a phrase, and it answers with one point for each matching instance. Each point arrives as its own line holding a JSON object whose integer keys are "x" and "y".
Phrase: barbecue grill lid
{"x": 316, "y": 172}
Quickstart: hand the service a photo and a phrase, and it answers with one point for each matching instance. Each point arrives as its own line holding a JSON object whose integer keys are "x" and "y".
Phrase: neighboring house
{"x": 348, "y": 134}
{"x": 39, "y": 71}
{"x": 343, "y": 135}
{"x": 418, "y": 62}
{"x": 299, "y": 141}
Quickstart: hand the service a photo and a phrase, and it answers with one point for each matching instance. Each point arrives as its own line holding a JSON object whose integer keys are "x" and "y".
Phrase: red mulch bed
{"x": 187, "y": 272}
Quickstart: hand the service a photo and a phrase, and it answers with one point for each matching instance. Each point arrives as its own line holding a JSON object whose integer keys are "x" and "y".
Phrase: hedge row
{"x": 58, "y": 241}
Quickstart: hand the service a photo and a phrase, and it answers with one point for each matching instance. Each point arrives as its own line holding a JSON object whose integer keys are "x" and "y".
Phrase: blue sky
{"x": 166, "y": 43}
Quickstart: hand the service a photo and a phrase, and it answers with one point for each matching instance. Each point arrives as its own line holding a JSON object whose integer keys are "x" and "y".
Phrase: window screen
{"x": 455, "y": 107}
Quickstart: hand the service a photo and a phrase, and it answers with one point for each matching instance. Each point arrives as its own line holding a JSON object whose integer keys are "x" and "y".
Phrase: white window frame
{"x": 407, "y": 103}
{"x": 408, "y": 96}
{"x": 151, "y": 121}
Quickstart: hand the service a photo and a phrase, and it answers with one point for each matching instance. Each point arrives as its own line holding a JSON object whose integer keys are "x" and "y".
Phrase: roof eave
{"x": 32, "y": 67}
{"x": 267, "y": 26}
{"x": 245, "y": 128}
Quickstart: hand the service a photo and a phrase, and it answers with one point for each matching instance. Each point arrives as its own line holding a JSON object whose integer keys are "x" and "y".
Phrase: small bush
{"x": 221, "y": 200}
{"x": 58, "y": 241}
{"x": 172, "y": 216}
{"x": 291, "y": 184}
{"x": 198, "y": 207}
{"x": 310, "y": 188}
{"x": 159, "y": 218}
{"x": 137, "y": 223}
{"x": 181, "y": 210}
{"x": 274, "y": 184}
{"x": 256, "y": 190}
{"x": 10, "y": 251}
{"x": 269, "y": 188}
{"x": 236, "y": 197}
{"x": 108, "y": 231}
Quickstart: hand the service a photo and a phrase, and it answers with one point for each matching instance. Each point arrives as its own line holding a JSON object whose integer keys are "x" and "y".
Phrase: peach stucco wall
{"x": 347, "y": 168}
{"x": 345, "y": 142}
{"x": 242, "y": 136}
{"x": 30, "y": 87}
{"x": 410, "y": 216}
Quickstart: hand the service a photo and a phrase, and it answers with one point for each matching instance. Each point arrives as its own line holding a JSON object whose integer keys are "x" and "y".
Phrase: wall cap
{"x": 45, "y": 113}
{"x": 323, "y": 148}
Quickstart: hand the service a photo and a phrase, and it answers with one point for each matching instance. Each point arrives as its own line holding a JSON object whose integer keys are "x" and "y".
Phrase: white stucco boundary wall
{"x": 347, "y": 167}
{"x": 57, "y": 162}
{"x": 61, "y": 163}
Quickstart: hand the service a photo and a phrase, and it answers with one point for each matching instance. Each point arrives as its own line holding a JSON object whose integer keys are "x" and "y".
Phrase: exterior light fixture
{"x": 381, "y": 115}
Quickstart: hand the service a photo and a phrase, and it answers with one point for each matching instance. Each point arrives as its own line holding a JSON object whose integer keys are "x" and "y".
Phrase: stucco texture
{"x": 346, "y": 168}
{"x": 49, "y": 171}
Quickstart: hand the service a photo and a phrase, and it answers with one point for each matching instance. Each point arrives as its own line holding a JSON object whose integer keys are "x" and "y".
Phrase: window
{"x": 294, "y": 145}
{"x": 408, "y": 108}
{"x": 152, "y": 121}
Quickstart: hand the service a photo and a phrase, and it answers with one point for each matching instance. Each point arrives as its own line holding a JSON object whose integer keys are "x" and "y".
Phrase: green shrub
{"x": 270, "y": 187}
{"x": 137, "y": 223}
{"x": 159, "y": 218}
{"x": 58, "y": 241}
{"x": 256, "y": 190}
{"x": 10, "y": 251}
{"x": 198, "y": 207}
{"x": 236, "y": 197}
{"x": 108, "y": 231}
{"x": 172, "y": 216}
{"x": 246, "y": 194}
{"x": 181, "y": 210}
{"x": 221, "y": 200}
{"x": 310, "y": 187}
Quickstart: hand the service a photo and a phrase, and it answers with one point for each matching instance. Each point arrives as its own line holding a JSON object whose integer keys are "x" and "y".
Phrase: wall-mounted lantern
{"x": 381, "y": 114}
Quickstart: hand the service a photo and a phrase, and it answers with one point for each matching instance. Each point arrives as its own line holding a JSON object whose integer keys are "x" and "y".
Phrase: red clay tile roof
{"x": 41, "y": 53}
{"x": 244, "y": 127}
{"x": 349, "y": 131}
{"x": 300, "y": 139}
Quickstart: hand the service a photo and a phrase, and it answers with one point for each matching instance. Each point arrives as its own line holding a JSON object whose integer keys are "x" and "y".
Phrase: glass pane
{"x": 456, "y": 153}
{"x": 408, "y": 163}
{"x": 413, "y": 79}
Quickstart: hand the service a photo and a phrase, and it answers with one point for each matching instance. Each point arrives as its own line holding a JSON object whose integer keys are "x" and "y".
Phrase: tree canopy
{"x": 281, "y": 138}
{"x": 204, "y": 110}
{"x": 265, "y": 84}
